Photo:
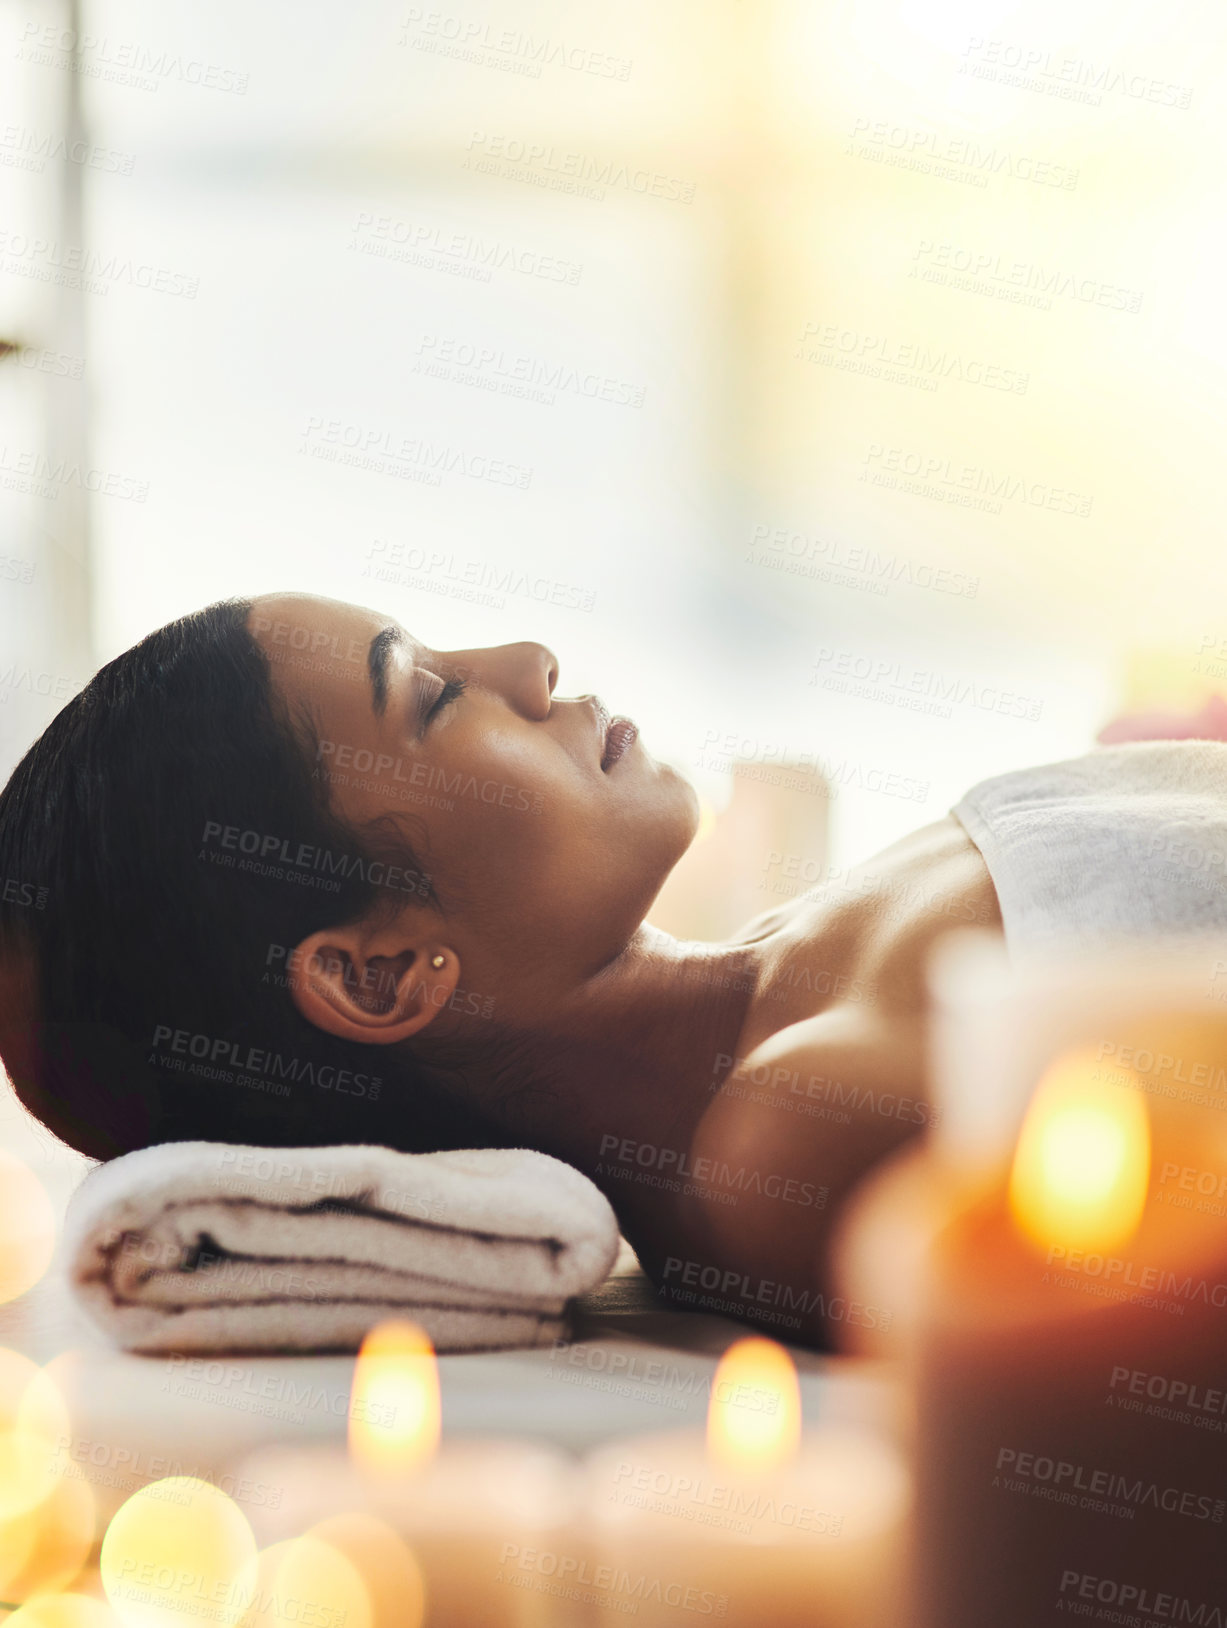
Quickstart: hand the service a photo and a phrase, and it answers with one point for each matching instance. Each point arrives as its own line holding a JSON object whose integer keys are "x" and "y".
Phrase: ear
{"x": 373, "y": 984}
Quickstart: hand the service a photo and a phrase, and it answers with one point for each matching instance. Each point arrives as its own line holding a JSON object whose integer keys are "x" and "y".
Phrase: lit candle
{"x": 1067, "y": 1330}
{"x": 464, "y": 1507}
{"x": 759, "y": 1525}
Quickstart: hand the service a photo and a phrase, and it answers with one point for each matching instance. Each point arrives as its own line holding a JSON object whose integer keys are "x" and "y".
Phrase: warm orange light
{"x": 179, "y": 1552}
{"x": 64, "y": 1611}
{"x": 707, "y": 819}
{"x": 45, "y": 1547}
{"x": 1082, "y": 1163}
{"x": 396, "y": 1592}
{"x": 46, "y": 1518}
{"x": 754, "y": 1416}
{"x": 305, "y": 1580}
{"x": 395, "y": 1413}
{"x": 27, "y": 1228}
{"x": 33, "y": 1422}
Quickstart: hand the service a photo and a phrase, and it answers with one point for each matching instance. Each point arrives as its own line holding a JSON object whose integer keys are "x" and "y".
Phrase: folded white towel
{"x": 206, "y": 1246}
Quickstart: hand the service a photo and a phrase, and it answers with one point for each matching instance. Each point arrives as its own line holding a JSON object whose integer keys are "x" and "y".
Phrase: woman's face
{"x": 545, "y": 846}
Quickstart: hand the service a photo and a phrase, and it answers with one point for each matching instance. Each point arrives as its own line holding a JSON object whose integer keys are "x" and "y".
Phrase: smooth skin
{"x": 727, "y": 1097}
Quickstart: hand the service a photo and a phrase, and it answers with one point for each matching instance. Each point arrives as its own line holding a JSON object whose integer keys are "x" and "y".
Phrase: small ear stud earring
{"x": 437, "y": 960}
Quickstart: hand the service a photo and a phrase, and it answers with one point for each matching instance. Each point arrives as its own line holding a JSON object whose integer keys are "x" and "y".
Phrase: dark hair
{"x": 143, "y": 946}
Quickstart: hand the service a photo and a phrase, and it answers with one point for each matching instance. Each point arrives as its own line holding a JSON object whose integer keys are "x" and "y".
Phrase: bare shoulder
{"x": 792, "y": 1129}
{"x": 834, "y": 1088}
{"x": 817, "y": 1098}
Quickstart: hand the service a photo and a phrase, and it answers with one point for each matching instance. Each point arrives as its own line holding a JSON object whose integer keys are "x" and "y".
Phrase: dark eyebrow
{"x": 382, "y": 645}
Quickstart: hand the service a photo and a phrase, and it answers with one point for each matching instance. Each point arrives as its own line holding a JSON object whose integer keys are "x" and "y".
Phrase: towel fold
{"x": 207, "y": 1246}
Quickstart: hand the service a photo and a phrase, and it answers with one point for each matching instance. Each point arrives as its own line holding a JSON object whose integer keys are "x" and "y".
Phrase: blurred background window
{"x": 825, "y": 380}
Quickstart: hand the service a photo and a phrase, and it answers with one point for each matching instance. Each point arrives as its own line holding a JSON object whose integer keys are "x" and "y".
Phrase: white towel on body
{"x": 207, "y": 1246}
{"x": 1126, "y": 842}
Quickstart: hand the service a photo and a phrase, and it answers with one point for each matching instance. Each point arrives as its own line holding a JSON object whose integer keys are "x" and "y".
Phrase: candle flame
{"x": 1082, "y": 1163}
{"x": 754, "y": 1416}
{"x": 395, "y": 1414}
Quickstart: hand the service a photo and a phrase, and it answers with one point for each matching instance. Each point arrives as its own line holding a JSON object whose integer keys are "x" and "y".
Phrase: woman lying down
{"x": 309, "y": 881}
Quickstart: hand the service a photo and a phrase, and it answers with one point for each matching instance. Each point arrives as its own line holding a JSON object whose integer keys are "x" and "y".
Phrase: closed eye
{"x": 451, "y": 689}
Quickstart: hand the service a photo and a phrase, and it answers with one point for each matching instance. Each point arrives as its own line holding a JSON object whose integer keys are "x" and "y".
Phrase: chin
{"x": 693, "y": 810}
{"x": 684, "y": 800}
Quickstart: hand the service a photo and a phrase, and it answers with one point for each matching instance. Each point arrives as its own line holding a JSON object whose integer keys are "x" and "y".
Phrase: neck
{"x": 648, "y": 1041}
{"x": 618, "y": 1075}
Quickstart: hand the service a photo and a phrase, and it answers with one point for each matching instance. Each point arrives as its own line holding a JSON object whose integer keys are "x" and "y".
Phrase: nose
{"x": 523, "y": 674}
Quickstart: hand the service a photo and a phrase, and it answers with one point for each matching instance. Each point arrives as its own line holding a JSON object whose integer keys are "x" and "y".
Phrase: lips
{"x": 613, "y": 734}
{"x": 620, "y": 734}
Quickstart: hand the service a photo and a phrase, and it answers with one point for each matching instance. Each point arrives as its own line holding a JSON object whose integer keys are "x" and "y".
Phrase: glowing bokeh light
{"x": 306, "y": 1580}
{"x": 64, "y": 1611}
{"x": 33, "y": 1422}
{"x": 386, "y": 1564}
{"x": 179, "y": 1551}
{"x": 707, "y": 819}
{"x": 45, "y": 1547}
{"x": 27, "y": 1228}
